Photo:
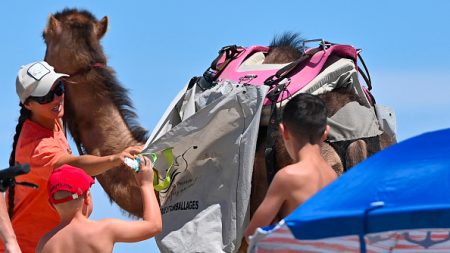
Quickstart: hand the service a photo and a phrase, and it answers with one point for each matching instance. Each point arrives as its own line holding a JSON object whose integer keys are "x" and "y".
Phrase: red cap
{"x": 70, "y": 179}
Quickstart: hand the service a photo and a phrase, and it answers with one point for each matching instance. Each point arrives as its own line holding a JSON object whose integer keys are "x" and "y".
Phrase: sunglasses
{"x": 58, "y": 91}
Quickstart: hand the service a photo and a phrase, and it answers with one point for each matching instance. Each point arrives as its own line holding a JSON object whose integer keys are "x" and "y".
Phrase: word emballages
{"x": 180, "y": 206}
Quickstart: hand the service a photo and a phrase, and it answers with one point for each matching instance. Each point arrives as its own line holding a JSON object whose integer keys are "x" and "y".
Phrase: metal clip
{"x": 324, "y": 44}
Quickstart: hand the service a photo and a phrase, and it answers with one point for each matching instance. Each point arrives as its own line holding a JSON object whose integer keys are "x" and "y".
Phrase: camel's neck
{"x": 105, "y": 132}
{"x": 95, "y": 120}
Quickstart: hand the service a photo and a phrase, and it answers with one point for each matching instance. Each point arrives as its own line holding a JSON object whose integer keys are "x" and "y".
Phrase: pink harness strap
{"x": 298, "y": 78}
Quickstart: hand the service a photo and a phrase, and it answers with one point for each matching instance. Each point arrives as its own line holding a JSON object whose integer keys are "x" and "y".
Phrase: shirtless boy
{"x": 303, "y": 128}
{"x": 68, "y": 189}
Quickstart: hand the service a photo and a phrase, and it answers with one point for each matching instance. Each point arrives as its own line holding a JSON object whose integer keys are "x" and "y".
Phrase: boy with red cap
{"x": 68, "y": 189}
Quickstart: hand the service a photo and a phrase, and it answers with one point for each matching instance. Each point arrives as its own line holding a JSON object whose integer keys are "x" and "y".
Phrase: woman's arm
{"x": 94, "y": 165}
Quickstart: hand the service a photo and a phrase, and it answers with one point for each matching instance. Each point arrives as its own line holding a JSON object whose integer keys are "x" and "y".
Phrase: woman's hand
{"x": 130, "y": 152}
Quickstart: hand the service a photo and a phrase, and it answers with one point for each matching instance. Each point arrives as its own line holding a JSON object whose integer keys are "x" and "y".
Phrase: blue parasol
{"x": 404, "y": 188}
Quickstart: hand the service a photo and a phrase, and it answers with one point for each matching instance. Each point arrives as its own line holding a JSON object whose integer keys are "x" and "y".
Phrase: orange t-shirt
{"x": 33, "y": 216}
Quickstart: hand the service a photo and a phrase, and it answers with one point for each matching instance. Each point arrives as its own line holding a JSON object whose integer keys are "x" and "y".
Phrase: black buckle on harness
{"x": 270, "y": 81}
{"x": 275, "y": 93}
{"x": 231, "y": 52}
{"x": 210, "y": 75}
{"x": 205, "y": 84}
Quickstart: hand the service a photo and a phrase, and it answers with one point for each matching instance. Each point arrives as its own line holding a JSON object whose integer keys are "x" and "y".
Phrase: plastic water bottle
{"x": 133, "y": 163}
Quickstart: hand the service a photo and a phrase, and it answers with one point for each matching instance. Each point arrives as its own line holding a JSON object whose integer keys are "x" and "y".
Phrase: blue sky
{"x": 157, "y": 46}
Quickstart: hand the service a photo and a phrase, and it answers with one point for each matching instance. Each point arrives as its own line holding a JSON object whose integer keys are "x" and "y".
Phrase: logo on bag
{"x": 176, "y": 180}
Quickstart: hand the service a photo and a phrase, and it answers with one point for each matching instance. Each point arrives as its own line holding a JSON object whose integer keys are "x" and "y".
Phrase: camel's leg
{"x": 333, "y": 159}
{"x": 259, "y": 180}
{"x": 244, "y": 246}
{"x": 356, "y": 152}
{"x": 386, "y": 140}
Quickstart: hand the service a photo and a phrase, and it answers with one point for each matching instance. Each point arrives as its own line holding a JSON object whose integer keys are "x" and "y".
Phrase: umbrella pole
{"x": 362, "y": 240}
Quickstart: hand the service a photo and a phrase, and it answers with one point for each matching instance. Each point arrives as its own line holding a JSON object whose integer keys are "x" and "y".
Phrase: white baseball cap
{"x": 35, "y": 79}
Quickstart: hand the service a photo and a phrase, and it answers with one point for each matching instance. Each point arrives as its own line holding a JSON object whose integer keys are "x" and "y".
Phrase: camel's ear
{"x": 325, "y": 133}
{"x": 101, "y": 27}
{"x": 53, "y": 26}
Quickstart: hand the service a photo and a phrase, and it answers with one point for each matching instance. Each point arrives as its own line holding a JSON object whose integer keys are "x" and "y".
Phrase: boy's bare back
{"x": 300, "y": 181}
{"x": 81, "y": 235}
{"x": 291, "y": 187}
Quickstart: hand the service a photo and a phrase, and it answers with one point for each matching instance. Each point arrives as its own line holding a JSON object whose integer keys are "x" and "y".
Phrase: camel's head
{"x": 74, "y": 34}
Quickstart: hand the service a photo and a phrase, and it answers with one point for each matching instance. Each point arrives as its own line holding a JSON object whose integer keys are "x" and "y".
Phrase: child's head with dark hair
{"x": 305, "y": 117}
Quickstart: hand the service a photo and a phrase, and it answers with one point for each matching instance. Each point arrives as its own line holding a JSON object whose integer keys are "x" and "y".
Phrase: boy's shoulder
{"x": 87, "y": 229}
{"x": 298, "y": 169}
{"x": 299, "y": 172}
{"x": 291, "y": 173}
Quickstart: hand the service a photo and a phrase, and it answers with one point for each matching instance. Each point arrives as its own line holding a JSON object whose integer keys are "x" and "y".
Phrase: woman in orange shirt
{"x": 40, "y": 142}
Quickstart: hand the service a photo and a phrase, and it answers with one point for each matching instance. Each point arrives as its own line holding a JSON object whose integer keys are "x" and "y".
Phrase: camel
{"x": 100, "y": 117}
